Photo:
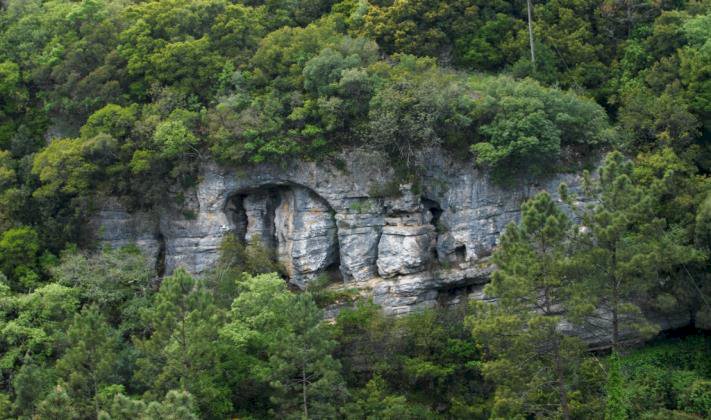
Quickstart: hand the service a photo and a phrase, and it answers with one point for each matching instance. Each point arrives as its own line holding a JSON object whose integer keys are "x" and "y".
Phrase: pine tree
{"x": 57, "y": 405}
{"x": 91, "y": 360}
{"x": 625, "y": 251}
{"x": 176, "y": 405}
{"x": 183, "y": 350}
{"x": 533, "y": 362}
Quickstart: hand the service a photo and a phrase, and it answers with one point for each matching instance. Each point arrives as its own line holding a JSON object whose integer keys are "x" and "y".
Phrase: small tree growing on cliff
{"x": 535, "y": 365}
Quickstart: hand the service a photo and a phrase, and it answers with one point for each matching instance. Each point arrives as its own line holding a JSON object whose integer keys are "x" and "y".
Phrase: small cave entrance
{"x": 460, "y": 253}
{"x": 293, "y": 223}
{"x": 454, "y": 295}
{"x": 234, "y": 209}
{"x": 434, "y": 209}
{"x": 433, "y": 213}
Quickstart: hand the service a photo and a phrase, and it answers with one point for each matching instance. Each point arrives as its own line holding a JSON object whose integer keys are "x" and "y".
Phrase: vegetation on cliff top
{"x": 128, "y": 97}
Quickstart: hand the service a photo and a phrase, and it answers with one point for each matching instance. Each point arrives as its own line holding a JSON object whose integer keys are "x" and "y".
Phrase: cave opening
{"x": 435, "y": 212}
{"x": 234, "y": 209}
{"x": 460, "y": 253}
{"x": 434, "y": 209}
{"x": 293, "y": 223}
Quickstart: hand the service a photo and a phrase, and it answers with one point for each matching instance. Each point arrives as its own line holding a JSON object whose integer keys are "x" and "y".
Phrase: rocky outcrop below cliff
{"x": 415, "y": 247}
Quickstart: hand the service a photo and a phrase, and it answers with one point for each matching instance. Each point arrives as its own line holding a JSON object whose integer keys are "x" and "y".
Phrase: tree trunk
{"x": 615, "y": 302}
{"x": 303, "y": 390}
{"x": 562, "y": 394}
{"x": 615, "y": 320}
{"x": 530, "y": 35}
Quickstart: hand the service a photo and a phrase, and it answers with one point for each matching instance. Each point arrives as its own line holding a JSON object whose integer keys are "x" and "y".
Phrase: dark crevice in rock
{"x": 435, "y": 212}
{"x": 453, "y": 295}
{"x": 460, "y": 253}
{"x": 434, "y": 208}
{"x": 160, "y": 256}
{"x": 237, "y": 216}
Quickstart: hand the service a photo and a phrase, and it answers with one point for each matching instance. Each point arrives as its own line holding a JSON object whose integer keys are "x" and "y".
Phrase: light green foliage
{"x": 57, "y": 405}
{"x": 524, "y": 125}
{"x": 62, "y": 168}
{"x": 173, "y": 139}
{"x": 112, "y": 119}
{"x": 176, "y": 405}
{"x": 375, "y": 402}
{"x": 289, "y": 346}
{"x": 32, "y": 330}
{"x": 237, "y": 260}
{"x": 116, "y": 281}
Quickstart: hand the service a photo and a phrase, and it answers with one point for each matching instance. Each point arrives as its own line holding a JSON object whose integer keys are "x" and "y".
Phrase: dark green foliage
{"x": 91, "y": 360}
{"x": 666, "y": 377}
{"x": 628, "y": 244}
{"x": 103, "y": 98}
{"x": 537, "y": 367}
{"x": 427, "y": 361}
{"x": 180, "y": 351}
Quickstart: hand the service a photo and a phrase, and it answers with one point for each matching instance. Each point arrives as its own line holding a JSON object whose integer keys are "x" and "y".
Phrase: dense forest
{"x": 126, "y": 98}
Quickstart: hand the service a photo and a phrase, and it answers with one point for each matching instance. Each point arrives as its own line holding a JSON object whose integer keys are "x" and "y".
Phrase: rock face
{"x": 414, "y": 248}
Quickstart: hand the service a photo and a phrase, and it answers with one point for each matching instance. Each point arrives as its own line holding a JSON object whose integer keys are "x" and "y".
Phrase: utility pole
{"x": 530, "y": 35}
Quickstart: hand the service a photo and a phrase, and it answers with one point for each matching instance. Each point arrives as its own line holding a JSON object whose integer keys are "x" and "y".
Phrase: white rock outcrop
{"x": 424, "y": 245}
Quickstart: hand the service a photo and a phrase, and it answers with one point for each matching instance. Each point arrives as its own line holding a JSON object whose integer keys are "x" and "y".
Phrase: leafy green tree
{"x": 63, "y": 169}
{"x": 33, "y": 324}
{"x": 19, "y": 252}
{"x": 524, "y": 126}
{"x": 173, "y": 139}
{"x": 284, "y": 336}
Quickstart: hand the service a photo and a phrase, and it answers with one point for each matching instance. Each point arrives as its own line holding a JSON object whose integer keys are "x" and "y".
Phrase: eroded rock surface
{"x": 416, "y": 248}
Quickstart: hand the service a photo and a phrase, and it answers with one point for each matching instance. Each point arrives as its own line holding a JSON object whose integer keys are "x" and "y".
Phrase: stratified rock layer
{"x": 410, "y": 249}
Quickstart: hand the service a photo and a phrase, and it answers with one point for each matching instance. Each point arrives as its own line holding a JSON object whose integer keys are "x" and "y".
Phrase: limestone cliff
{"x": 412, "y": 249}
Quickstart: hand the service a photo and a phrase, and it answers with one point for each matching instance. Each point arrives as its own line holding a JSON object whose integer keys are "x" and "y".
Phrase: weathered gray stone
{"x": 305, "y": 234}
{"x": 405, "y": 249}
{"x": 113, "y": 226}
{"x": 411, "y": 251}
